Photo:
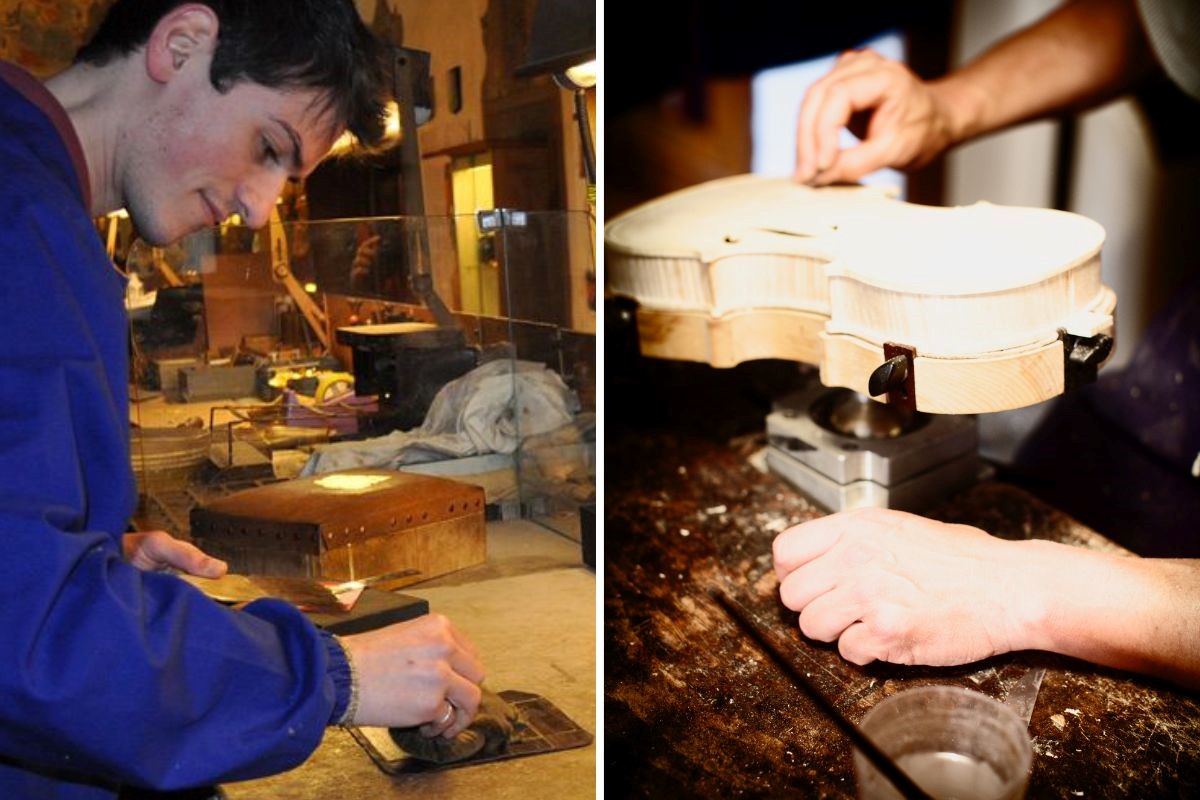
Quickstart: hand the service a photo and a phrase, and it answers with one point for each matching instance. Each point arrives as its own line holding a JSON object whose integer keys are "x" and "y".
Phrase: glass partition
{"x": 461, "y": 346}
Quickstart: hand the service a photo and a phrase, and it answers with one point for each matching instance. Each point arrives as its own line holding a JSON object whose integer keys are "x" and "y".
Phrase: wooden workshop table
{"x": 535, "y": 633}
{"x": 693, "y": 708}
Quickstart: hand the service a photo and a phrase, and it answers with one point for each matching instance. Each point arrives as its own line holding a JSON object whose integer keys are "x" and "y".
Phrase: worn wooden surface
{"x": 692, "y": 708}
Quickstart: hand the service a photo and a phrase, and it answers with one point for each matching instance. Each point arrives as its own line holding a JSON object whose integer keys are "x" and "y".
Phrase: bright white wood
{"x": 731, "y": 339}
{"x": 751, "y": 267}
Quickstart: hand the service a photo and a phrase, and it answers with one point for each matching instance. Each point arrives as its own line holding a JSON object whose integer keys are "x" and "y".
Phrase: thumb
{"x": 187, "y": 557}
{"x": 209, "y": 566}
{"x": 854, "y": 162}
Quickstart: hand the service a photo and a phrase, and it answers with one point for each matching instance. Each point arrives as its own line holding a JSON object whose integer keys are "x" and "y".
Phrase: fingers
{"x": 158, "y": 550}
{"x": 806, "y": 583}
{"x": 444, "y": 642}
{"x": 811, "y": 146}
{"x": 853, "y": 163}
{"x": 457, "y": 649}
{"x": 456, "y": 711}
{"x": 829, "y": 615}
{"x": 370, "y": 246}
{"x": 194, "y": 561}
{"x": 857, "y": 91}
{"x": 442, "y": 722}
{"x": 906, "y": 127}
{"x": 857, "y": 644}
{"x": 798, "y": 545}
{"x": 468, "y": 665}
{"x": 465, "y": 697}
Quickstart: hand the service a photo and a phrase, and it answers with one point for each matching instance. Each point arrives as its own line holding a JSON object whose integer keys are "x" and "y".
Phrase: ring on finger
{"x": 448, "y": 717}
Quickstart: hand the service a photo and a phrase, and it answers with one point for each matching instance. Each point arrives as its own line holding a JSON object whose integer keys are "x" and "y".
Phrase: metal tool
{"x": 845, "y": 450}
{"x": 304, "y": 593}
{"x": 880, "y": 760}
{"x": 545, "y": 729}
{"x": 307, "y": 594}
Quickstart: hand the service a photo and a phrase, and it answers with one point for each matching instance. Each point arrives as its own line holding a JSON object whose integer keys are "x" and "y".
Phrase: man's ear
{"x": 181, "y": 35}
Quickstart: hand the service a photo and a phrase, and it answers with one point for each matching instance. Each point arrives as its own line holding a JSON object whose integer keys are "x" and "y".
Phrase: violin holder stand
{"x": 935, "y": 455}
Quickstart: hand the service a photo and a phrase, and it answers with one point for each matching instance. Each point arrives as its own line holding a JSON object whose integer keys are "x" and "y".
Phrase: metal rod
{"x": 585, "y": 135}
{"x": 877, "y": 757}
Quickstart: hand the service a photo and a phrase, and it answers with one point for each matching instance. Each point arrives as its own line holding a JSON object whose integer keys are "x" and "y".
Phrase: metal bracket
{"x": 1082, "y": 356}
{"x": 896, "y": 376}
{"x": 621, "y": 327}
{"x": 496, "y": 218}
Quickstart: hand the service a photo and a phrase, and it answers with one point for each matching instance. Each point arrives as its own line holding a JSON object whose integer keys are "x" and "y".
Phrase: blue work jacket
{"x": 109, "y": 676}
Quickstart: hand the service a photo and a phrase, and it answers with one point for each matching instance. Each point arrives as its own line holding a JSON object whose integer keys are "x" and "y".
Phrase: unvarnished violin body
{"x": 989, "y": 307}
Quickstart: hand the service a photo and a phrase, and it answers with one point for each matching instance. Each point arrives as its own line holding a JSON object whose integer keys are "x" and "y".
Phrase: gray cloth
{"x": 1173, "y": 27}
{"x": 491, "y": 409}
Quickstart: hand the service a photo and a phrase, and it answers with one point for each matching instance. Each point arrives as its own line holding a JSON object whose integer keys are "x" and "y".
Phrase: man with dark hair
{"x": 111, "y": 673}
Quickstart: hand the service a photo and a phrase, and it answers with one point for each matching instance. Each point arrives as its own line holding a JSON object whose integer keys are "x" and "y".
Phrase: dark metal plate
{"x": 549, "y": 730}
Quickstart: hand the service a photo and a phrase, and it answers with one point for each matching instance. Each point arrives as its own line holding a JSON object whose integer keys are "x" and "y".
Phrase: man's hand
{"x": 422, "y": 672}
{"x": 901, "y": 120}
{"x": 158, "y": 550}
{"x": 896, "y": 587}
{"x": 364, "y": 257}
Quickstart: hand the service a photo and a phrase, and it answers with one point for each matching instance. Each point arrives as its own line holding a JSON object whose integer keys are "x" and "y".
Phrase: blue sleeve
{"x": 105, "y": 670}
{"x": 130, "y": 675}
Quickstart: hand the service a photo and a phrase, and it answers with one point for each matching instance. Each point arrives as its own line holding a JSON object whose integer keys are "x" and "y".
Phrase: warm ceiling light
{"x": 580, "y": 76}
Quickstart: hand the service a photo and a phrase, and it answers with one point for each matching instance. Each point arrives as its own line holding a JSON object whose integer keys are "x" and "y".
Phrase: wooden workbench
{"x": 693, "y": 708}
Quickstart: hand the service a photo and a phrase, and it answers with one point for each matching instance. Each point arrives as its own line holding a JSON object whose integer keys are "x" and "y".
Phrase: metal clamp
{"x": 896, "y": 376}
{"x": 1082, "y": 356}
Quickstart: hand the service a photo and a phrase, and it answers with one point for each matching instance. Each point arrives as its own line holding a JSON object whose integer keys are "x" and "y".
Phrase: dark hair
{"x": 319, "y": 44}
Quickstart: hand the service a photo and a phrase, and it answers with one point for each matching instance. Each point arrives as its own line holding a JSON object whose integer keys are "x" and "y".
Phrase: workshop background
{"x": 693, "y": 706}
{"x": 393, "y": 384}
{"x": 716, "y": 92}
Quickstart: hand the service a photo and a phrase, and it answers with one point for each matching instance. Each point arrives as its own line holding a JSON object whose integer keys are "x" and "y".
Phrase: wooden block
{"x": 1004, "y": 381}
{"x": 348, "y": 525}
{"x": 729, "y": 340}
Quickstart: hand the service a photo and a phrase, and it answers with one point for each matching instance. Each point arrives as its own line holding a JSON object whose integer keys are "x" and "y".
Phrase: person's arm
{"x": 896, "y": 587}
{"x": 1080, "y": 55}
{"x": 108, "y": 671}
{"x": 405, "y": 674}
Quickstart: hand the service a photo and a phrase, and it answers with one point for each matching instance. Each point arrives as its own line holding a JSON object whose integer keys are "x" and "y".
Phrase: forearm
{"x": 1079, "y": 56}
{"x": 1137, "y": 614}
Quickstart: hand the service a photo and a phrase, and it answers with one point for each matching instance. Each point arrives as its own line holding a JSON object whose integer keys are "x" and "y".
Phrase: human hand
{"x": 421, "y": 672}
{"x": 158, "y": 550}
{"x": 897, "y": 587}
{"x": 900, "y": 119}
{"x": 365, "y": 254}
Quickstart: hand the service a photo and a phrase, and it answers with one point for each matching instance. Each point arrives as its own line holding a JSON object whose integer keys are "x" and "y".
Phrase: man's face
{"x": 199, "y": 156}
